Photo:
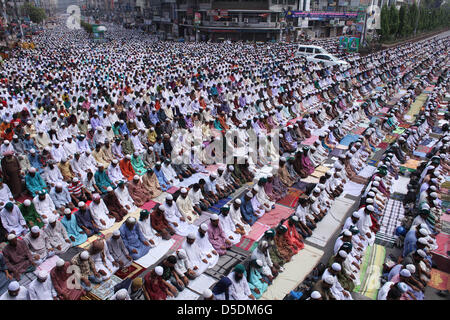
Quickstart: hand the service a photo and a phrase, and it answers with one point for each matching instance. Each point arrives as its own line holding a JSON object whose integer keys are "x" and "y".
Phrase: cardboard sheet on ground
{"x": 367, "y": 171}
{"x": 191, "y": 180}
{"x": 310, "y": 179}
{"x": 353, "y": 188}
{"x": 201, "y": 283}
{"x": 155, "y": 253}
{"x": 400, "y": 185}
{"x": 295, "y": 272}
{"x": 330, "y": 223}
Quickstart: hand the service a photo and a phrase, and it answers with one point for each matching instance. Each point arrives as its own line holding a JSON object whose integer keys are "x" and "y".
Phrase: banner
{"x": 353, "y": 44}
{"x": 197, "y": 18}
{"x": 343, "y": 43}
{"x": 321, "y": 14}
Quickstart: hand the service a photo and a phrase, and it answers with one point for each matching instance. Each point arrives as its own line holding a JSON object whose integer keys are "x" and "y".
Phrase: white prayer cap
{"x": 369, "y": 200}
{"x": 109, "y": 189}
{"x": 32, "y": 169}
{"x": 191, "y": 235}
{"x": 316, "y": 189}
{"x": 131, "y": 219}
{"x": 405, "y": 273}
{"x": 67, "y": 211}
{"x": 238, "y": 201}
{"x": 249, "y": 194}
{"x": 27, "y": 203}
{"x": 52, "y": 219}
{"x": 58, "y": 185}
{"x": 81, "y": 203}
{"x": 84, "y": 255}
{"x": 336, "y": 266}
{"x": 433, "y": 195}
{"x": 32, "y": 150}
{"x": 204, "y": 227}
{"x": 370, "y": 208}
{"x": 295, "y": 218}
{"x": 423, "y": 232}
{"x": 421, "y": 253}
{"x": 116, "y": 232}
{"x": 356, "y": 214}
{"x": 207, "y": 293}
{"x": 159, "y": 270}
{"x": 321, "y": 186}
{"x": 60, "y": 262}
{"x": 122, "y": 294}
{"x": 115, "y": 161}
{"x": 377, "y": 178}
{"x": 128, "y": 157}
{"x": 283, "y": 159}
{"x": 316, "y": 295}
{"x": 161, "y": 208}
{"x": 13, "y": 286}
{"x": 213, "y": 175}
{"x": 411, "y": 268}
{"x": 255, "y": 187}
{"x": 183, "y": 190}
{"x": 423, "y": 240}
{"x": 343, "y": 254}
{"x": 259, "y": 262}
{"x": 42, "y": 274}
{"x": 371, "y": 193}
{"x": 329, "y": 280}
{"x": 376, "y": 183}
{"x": 169, "y": 197}
{"x": 231, "y": 168}
{"x": 347, "y": 233}
{"x": 214, "y": 217}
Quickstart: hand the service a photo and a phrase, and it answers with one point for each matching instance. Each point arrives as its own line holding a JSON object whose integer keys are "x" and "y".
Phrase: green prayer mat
{"x": 371, "y": 271}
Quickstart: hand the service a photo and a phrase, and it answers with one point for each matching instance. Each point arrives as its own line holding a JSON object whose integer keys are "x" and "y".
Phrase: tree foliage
{"x": 37, "y": 15}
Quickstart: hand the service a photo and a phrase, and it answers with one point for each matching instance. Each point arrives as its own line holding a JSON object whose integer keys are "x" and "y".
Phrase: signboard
{"x": 353, "y": 44}
{"x": 321, "y": 14}
{"x": 223, "y": 13}
{"x": 343, "y": 43}
{"x": 197, "y": 18}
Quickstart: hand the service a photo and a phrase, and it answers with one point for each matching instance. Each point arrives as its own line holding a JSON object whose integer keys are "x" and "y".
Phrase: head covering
{"x": 329, "y": 279}
{"x": 239, "y": 268}
{"x": 159, "y": 270}
{"x": 84, "y": 255}
{"x": 316, "y": 295}
{"x": 336, "y": 266}
{"x": 60, "y": 262}
{"x": 207, "y": 293}
{"x": 214, "y": 217}
{"x": 405, "y": 273}
{"x": 13, "y": 286}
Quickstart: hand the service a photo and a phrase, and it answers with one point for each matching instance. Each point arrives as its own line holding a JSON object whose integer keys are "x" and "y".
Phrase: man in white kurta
{"x": 337, "y": 290}
{"x": 144, "y": 224}
{"x": 12, "y": 219}
{"x": 239, "y": 289}
{"x": 364, "y": 224}
{"x": 42, "y": 287}
{"x": 124, "y": 197}
{"x": 114, "y": 172}
{"x": 103, "y": 260}
{"x": 5, "y": 194}
{"x": 100, "y": 213}
{"x": 236, "y": 216}
{"x": 57, "y": 236}
{"x": 197, "y": 258}
{"x": 228, "y": 226}
{"x": 44, "y": 205}
{"x": 185, "y": 206}
{"x": 176, "y": 219}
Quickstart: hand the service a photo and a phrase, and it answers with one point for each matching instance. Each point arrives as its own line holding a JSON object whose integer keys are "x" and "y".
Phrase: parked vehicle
{"x": 306, "y": 50}
{"x": 327, "y": 59}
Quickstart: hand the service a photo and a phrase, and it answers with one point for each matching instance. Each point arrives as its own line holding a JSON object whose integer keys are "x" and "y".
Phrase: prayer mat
{"x": 257, "y": 231}
{"x": 383, "y": 145}
{"x": 203, "y": 218}
{"x": 371, "y": 271}
{"x": 201, "y": 283}
{"x": 336, "y": 152}
{"x": 440, "y": 255}
{"x": 310, "y": 179}
{"x": 439, "y": 280}
{"x": 389, "y": 138}
{"x": 399, "y": 130}
{"x": 212, "y": 168}
{"x": 216, "y": 208}
{"x": 420, "y": 154}
{"x": 187, "y": 182}
{"x": 105, "y": 290}
{"x": 295, "y": 271}
{"x": 317, "y": 174}
{"x": 411, "y": 164}
{"x": 172, "y": 190}
{"x": 349, "y": 138}
{"x": 342, "y": 147}
{"x": 273, "y": 217}
{"x": 400, "y": 185}
{"x": 227, "y": 262}
{"x": 404, "y": 125}
{"x": 155, "y": 253}
{"x": 291, "y": 199}
{"x": 186, "y": 294}
{"x": 132, "y": 271}
{"x": 22, "y": 198}
{"x": 353, "y": 188}
{"x": 417, "y": 105}
{"x": 322, "y": 169}
{"x": 372, "y": 162}
{"x": 310, "y": 141}
{"x": 393, "y": 214}
{"x": 245, "y": 243}
{"x": 367, "y": 172}
{"x": 178, "y": 241}
{"x": 358, "y": 130}
{"x": 149, "y": 205}
{"x": 300, "y": 186}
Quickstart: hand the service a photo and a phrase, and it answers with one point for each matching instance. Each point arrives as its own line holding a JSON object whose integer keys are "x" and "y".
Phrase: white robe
{"x": 106, "y": 266}
{"x": 42, "y": 290}
{"x": 115, "y": 174}
{"x": 45, "y": 207}
{"x": 236, "y": 216}
{"x": 100, "y": 211}
{"x": 337, "y": 289}
{"x": 125, "y": 199}
{"x": 173, "y": 215}
{"x": 148, "y": 232}
{"x": 228, "y": 227}
{"x": 239, "y": 290}
{"x": 195, "y": 256}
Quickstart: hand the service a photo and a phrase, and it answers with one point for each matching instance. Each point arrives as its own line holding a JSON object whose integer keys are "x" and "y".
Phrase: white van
{"x": 305, "y": 50}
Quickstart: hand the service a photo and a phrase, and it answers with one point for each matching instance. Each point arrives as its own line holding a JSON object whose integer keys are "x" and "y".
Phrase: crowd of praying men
{"x": 92, "y": 132}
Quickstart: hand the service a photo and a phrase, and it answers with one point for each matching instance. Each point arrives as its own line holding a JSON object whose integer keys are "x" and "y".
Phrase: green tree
{"x": 37, "y": 15}
{"x": 413, "y": 11}
{"x": 384, "y": 23}
{"x": 403, "y": 21}
{"x": 393, "y": 21}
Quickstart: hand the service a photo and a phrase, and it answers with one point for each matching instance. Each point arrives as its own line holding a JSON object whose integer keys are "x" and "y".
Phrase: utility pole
{"x": 17, "y": 16}
{"x": 363, "y": 36}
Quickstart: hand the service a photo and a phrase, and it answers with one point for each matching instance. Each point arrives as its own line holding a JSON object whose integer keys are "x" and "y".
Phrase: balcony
{"x": 230, "y": 24}
{"x": 244, "y": 5}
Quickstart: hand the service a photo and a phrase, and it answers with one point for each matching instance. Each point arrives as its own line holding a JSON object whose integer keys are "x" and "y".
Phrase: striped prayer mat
{"x": 257, "y": 231}
{"x": 178, "y": 242}
{"x": 246, "y": 244}
{"x": 371, "y": 271}
{"x": 291, "y": 199}
{"x": 105, "y": 290}
{"x": 393, "y": 214}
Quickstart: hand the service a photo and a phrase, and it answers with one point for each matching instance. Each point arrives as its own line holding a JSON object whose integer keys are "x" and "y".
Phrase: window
{"x": 322, "y": 57}
{"x": 301, "y": 49}
{"x": 309, "y": 50}
{"x": 273, "y": 17}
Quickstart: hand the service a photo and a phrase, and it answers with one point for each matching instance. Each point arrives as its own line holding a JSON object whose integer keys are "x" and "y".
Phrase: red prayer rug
{"x": 131, "y": 272}
{"x": 149, "y": 205}
{"x": 439, "y": 280}
{"x": 440, "y": 256}
{"x": 257, "y": 231}
{"x": 245, "y": 243}
{"x": 291, "y": 199}
{"x": 178, "y": 242}
{"x": 383, "y": 145}
{"x": 273, "y": 217}
{"x": 172, "y": 190}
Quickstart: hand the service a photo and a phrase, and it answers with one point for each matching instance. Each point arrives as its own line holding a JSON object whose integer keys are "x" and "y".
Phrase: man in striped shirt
{"x": 78, "y": 192}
